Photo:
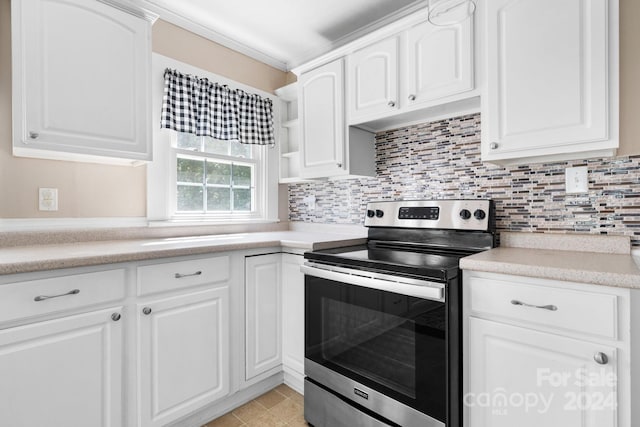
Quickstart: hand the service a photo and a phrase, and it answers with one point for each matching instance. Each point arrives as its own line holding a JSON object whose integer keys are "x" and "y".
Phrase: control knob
{"x": 479, "y": 214}
{"x": 465, "y": 214}
{"x": 370, "y": 213}
{"x": 379, "y": 213}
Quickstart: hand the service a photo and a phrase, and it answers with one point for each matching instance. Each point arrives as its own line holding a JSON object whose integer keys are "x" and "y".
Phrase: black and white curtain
{"x": 200, "y": 107}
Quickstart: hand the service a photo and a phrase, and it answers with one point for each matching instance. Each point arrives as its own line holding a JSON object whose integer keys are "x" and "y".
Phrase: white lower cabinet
{"x": 293, "y": 320}
{"x": 63, "y": 372}
{"x": 520, "y": 377}
{"x": 184, "y": 354}
{"x": 151, "y": 343}
{"x": 546, "y": 353}
{"x": 263, "y": 305}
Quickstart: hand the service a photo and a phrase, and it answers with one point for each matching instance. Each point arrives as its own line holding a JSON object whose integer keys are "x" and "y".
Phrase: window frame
{"x": 258, "y": 184}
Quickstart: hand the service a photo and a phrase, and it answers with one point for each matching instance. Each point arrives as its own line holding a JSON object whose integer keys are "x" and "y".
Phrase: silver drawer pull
{"x": 44, "y": 297}
{"x": 544, "y": 307}
{"x": 180, "y": 276}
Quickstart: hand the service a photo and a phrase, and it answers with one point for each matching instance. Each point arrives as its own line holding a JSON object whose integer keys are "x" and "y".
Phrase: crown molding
{"x": 176, "y": 18}
{"x": 211, "y": 34}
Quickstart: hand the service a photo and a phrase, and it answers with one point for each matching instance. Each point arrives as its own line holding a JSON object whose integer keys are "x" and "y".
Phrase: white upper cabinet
{"x": 329, "y": 148}
{"x": 322, "y": 114}
{"x": 81, "y": 83}
{"x": 438, "y": 61}
{"x": 552, "y": 83}
{"x": 420, "y": 66}
{"x": 321, "y": 106}
{"x": 373, "y": 80}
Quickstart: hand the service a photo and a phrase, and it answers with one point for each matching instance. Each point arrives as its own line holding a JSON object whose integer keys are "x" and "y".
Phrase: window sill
{"x": 190, "y": 222}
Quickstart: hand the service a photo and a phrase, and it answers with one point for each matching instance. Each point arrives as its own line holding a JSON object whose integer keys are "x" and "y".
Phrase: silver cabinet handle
{"x": 412, "y": 97}
{"x": 115, "y": 317}
{"x": 493, "y": 145}
{"x": 601, "y": 358}
{"x": 544, "y": 307}
{"x": 391, "y": 103}
{"x": 45, "y": 297}
{"x": 147, "y": 310}
{"x": 180, "y": 276}
{"x": 34, "y": 135}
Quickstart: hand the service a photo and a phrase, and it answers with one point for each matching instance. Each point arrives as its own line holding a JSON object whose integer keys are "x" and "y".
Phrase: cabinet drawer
{"x": 182, "y": 274}
{"x": 44, "y": 296}
{"x": 576, "y": 311}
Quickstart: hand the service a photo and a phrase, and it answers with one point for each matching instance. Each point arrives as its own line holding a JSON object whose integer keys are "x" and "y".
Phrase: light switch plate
{"x": 48, "y": 199}
{"x": 577, "y": 180}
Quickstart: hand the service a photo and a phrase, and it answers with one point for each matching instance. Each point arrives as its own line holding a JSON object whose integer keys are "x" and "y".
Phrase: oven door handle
{"x": 410, "y": 287}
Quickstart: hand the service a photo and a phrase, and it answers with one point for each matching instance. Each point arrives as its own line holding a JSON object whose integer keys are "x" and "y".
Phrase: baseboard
{"x": 294, "y": 379}
{"x": 221, "y": 407}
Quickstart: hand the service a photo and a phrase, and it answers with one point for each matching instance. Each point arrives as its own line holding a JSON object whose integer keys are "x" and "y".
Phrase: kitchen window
{"x": 200, "y": 179}
{"x": 214, "y": 176}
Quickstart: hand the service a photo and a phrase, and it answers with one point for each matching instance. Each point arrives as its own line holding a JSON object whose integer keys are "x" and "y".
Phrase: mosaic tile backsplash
{"x": 440, "y": 160}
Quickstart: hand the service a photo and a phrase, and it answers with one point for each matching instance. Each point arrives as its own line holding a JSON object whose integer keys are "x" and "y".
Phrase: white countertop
{"x": 608, "y": 268}
{"x": 22, "y": 259}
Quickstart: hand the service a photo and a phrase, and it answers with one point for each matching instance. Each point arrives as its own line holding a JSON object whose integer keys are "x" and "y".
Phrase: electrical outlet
{"x": 310, "y": 201}
{"x": 48, "y": 199}
{"x": 576, "y": 180}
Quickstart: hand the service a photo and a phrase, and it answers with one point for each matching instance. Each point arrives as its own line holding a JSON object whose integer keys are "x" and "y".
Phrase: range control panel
{"x": 419, "y": 212}
{"x": 439, "y": 214}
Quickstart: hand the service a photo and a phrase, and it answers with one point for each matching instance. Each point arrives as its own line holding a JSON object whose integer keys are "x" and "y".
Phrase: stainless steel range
{"x": 382, "y": 320}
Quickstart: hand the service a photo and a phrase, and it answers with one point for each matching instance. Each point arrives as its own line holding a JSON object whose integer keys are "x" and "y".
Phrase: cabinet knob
{"x": 493, "y": 145}
{"x": 339, "y": 165}
{"x": 34, "y": 135}
{"x": 115, "y": 317}
{"x": 391, "y": 103}
{"x": 601, "y": 358}
{"x": 147, "y": 310}
{"x": 412, "y": 97}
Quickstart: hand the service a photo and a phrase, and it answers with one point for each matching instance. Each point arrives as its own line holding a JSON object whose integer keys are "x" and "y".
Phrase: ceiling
{"x": 282, "y": 33}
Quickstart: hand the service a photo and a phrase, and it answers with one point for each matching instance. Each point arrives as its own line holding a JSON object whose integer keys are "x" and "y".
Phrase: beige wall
{"x": 90, "y": 190}
{"x": 629, "y": 77}
{"x": 172, "y": 41}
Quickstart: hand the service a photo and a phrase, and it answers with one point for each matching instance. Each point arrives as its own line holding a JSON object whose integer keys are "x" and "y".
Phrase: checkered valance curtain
{"x": 198, "y": 106}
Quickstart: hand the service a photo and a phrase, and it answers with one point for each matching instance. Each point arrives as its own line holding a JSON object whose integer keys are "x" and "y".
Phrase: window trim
{"x": 162, "y": 170}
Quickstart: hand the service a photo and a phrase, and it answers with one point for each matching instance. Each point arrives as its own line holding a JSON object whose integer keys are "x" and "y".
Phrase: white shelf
{"x": 289, "y": 135}
{"x": 290, "y": 123}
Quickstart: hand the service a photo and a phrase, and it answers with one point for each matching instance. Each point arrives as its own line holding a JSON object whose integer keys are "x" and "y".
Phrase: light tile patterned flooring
{"x": 280, "y": 407}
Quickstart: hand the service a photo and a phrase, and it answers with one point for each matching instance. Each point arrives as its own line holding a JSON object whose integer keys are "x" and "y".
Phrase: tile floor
{"x": 280, "y": 407}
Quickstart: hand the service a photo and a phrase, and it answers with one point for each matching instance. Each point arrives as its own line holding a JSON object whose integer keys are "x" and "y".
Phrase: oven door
{"x": 379, "y": 341}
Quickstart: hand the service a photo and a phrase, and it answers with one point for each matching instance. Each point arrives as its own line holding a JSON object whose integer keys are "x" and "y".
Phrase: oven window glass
{"x": 392, "y": 343}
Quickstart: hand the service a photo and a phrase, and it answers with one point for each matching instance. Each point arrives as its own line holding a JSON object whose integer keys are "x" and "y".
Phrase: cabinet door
{"x": 519, "y": 377}
{"x": 81, "y": 79}
{"x": 373, "y": 80}
{"x": 547, "y": 78}
{"x": 293, "y": 314}
{"x": 439, "y": 61}
{"x": 264, "y": 311}
{"x": 321, "y": 104}
{"x": 184, "y": 354}
{"x": 63, "y": 372}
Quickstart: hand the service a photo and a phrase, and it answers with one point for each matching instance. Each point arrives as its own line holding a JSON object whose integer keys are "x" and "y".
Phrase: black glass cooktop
{"x": 427, "y": 264}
